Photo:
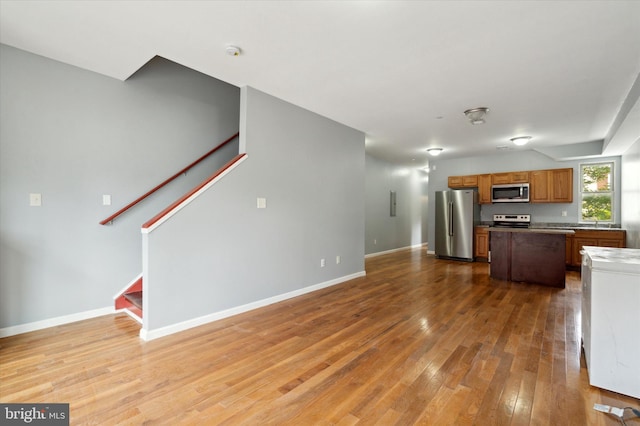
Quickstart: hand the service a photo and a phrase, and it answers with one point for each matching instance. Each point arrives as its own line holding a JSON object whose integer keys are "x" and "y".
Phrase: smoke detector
{"x": 233, "y": 51}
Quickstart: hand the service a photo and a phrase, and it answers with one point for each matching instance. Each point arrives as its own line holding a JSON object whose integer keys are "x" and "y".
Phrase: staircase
{"x": 129, "y": 299}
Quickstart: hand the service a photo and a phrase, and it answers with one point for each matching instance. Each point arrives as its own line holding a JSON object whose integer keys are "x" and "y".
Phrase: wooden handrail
{"x": 183, "y": 171}
{"x": 188, "y": 195}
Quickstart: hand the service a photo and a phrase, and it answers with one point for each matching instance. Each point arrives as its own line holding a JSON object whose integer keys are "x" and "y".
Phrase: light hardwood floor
{"x": 416, "y": 341}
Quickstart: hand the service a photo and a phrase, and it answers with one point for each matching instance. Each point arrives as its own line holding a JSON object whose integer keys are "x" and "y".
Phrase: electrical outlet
{"x": 322, "y": 263}
{"x": 337, "y": 260}
{"x": 375, "y": 241}
{"x": 564, "y": 213}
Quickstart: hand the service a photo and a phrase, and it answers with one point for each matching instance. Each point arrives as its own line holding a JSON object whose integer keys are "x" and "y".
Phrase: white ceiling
{"x": 403, "y": 72}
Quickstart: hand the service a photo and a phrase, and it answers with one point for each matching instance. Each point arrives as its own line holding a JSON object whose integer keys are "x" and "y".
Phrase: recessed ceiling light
{"x": 521, "y": 140}
{"x": 434, "y": 151}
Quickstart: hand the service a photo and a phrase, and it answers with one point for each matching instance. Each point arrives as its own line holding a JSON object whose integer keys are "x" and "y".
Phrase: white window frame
{"x": 611, "y": 192}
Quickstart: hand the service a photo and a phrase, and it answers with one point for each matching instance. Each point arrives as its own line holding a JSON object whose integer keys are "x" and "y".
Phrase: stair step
{"x": 134, "y": 297}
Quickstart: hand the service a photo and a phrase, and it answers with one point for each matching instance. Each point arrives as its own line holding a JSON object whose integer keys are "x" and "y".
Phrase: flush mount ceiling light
{"x": 476, "y": 115}
{"x": 434, "y": 151}
{"x": 233, "y": 51}
{"x": 521, "y": 140}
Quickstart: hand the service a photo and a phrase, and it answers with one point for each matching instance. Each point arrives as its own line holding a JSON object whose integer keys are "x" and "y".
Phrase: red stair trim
{"x": 175, "y": 176}
{"x": 186, "y": 196}
{"x": 121, "y": 301}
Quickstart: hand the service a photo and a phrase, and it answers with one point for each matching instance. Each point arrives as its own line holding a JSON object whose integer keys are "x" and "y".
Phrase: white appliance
{"x": 611, "y": 318}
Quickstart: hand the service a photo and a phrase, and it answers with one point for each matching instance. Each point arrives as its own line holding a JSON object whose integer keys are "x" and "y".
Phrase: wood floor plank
{"x": 418, "y": 340}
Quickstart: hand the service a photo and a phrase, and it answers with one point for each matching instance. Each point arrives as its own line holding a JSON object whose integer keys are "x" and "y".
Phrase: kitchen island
{"x": 531, "y": 255}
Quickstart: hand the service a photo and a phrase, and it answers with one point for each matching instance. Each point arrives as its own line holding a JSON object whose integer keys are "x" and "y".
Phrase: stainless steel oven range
{"x": 511, "y": 220}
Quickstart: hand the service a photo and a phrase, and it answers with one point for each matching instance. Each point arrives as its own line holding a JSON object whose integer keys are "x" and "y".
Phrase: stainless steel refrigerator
{"x": 457, "y": 212}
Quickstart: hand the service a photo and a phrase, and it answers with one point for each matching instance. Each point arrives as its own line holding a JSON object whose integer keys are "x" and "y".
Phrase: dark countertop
{"x": 586, "y": 228}
{"x": 534, "y": 230}
{"x": 565, "y": 226}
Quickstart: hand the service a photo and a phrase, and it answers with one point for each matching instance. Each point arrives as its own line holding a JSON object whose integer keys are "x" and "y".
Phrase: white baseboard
{"x": 380, "y": 253}
{"x": 131, "y": 314}
{"x": 52, "y": 322}
{"x": 185, "y": 325}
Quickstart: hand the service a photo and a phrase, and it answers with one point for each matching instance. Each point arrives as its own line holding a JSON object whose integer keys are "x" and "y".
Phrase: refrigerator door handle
{"x": 450, "y": 230}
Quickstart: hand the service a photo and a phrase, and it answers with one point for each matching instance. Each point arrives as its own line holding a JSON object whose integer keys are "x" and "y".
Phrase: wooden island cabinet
{"x": 528, "y": 255}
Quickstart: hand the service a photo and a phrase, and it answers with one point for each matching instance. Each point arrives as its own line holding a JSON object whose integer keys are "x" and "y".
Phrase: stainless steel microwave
{"x": 510, "y": 193}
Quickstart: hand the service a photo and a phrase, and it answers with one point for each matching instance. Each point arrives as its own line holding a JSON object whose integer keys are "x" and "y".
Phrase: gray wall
{"x": 73, "y": 135}
{"x": 630, "y": 190}
{"x": 514, "y": 161}
{"x": 221, "y": 252}
{"x": 409, "y": 226}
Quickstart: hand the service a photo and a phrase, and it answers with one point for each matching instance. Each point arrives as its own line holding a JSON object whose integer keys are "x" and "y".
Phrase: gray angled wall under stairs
{"x": 221, "y": 252}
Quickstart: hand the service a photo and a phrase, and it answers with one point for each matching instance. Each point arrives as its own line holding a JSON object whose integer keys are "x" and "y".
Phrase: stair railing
{"x": 111, "y": 218}
{"x": 186, "y": 198}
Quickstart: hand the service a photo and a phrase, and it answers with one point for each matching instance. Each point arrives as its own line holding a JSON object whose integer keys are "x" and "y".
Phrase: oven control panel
{"x": 523, "y": 218}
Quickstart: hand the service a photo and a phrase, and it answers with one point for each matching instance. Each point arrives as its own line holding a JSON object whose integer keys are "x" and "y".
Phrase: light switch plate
{"x": 262, "y": 203}
{"x": 106, "y": 200}
{"x": 35, "y": 200}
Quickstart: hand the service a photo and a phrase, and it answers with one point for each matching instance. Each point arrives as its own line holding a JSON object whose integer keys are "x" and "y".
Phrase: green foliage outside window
{"x": 597, "y": 195}
{"x": 596, "y": 207}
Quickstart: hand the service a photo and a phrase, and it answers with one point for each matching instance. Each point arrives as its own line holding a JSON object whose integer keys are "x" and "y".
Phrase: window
{"x": 596, "y": 192}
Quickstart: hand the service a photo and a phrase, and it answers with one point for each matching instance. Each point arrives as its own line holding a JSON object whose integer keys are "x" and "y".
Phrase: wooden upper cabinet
{"x": 561, "y": 186}
{"x": 551, "y": 186}
{"x": 500, "y": 178}
{"x": 455, "y": 182}
{"x": 539, "y": 186}
{"x": 469, "y": 181}
{"x": 509, "y": 177}
{"x": 484, "y": 189}
{"x": 545, "y": 186}
{"x": 519, "y": 177}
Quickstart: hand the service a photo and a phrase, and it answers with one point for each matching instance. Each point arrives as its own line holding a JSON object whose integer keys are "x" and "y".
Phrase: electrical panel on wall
{"x": 392, "y": 202}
